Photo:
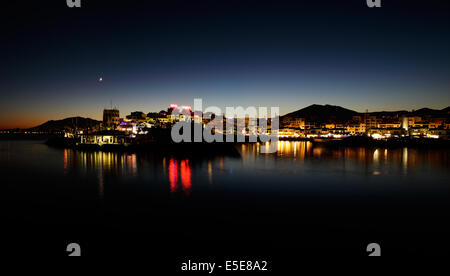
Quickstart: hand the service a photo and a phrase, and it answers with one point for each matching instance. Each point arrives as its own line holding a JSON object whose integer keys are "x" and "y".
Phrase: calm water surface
{"x": 303, "y": 199}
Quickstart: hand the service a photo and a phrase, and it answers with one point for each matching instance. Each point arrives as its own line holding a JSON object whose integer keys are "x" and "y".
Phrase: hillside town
{"x": 424, "y": 123}
{"x": 312, "y": 122}
{"x": 316, "y": 121}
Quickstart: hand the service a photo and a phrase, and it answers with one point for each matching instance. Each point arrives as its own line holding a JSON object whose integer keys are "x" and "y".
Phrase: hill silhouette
{"x": 68, "y": 123}
{"x": 334, "y": 113}
{"x": 324, "y": 113}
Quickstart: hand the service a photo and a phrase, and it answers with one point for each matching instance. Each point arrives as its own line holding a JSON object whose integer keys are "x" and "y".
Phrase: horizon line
{"x": 327, "y": 104}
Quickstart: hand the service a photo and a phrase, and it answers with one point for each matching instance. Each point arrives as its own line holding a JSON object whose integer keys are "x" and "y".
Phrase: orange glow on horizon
{"x": 25, "y": 121}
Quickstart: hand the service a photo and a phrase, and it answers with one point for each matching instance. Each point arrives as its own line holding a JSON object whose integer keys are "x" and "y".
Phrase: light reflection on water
{"x": 183, "y": 169}
{"x": 108, "y": 162}
{"x": 178, "y": 171}
{"x": 301, "y": 151}
{"x": 297, "y": 192}
{"x": 298, "y": 160}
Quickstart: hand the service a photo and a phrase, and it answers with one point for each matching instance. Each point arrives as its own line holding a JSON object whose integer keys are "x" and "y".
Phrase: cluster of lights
{"x": 378, "y": 136}
{"x": 288, "y": 135}
{"x": 175, "y": 106}
{"x": 185, "y": 107}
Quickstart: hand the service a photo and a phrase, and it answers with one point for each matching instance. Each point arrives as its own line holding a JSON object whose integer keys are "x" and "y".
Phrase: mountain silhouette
{"x": 431, "y": 112}
{"x": 68, "y": 123}
{"x": 324, "y": 113}
{"x": 338, "y": 114}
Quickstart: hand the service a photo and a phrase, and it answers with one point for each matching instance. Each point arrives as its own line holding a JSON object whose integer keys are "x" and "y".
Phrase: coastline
{"x": 367, "y": 142}
{"x": 204, "y": 149}
{"x": 228, "y": 148}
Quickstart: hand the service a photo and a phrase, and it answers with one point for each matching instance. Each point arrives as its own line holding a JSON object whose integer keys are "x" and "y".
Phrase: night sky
{"x": 252, "y": 53}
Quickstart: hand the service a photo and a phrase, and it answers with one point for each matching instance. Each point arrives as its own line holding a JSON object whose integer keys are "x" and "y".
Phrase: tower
{"x": 111, "y": 118}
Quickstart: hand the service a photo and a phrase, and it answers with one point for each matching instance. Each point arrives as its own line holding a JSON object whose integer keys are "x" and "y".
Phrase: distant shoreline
{"x": 367, "y": 142}
{"x": 24, "y": 136}
{"x": 355, "y": 141}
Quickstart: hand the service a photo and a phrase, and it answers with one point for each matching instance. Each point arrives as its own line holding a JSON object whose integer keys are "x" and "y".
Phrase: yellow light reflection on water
{"x": 405, "y": 159}
{"x": 210, "y": 172}
{"x": 376, "y": 156}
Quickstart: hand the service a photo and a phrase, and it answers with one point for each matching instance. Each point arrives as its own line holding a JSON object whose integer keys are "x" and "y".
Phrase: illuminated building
{"x": 179, "y": 113}
{"x": 111, "y": 118}
{"x": 389, "y": 125}
{"x": 356, "y": 128}
{"x": 295, "y": 123}
{"x": 383, "y": 133}
{"x": 137, "y": 116}
{"x": 436, "y": 122}
{"x": 289, "y": 133}
{"x": 410, "y": 121}
{"x": 438, "y": 133}
{"x": 371, "y": 121}
{"x": 107, "y": 137}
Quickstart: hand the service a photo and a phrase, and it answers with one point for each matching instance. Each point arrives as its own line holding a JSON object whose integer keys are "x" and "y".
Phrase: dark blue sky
{"x": 261, "y": 53}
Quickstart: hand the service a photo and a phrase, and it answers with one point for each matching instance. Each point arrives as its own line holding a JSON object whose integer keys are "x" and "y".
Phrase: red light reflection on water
{"x": 173, "y": 175}
{"x": 185, "y": 172}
